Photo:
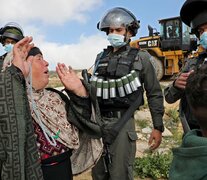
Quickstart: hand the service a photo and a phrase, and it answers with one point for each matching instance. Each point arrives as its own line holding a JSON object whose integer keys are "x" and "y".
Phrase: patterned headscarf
{"x": 54, "y": 117}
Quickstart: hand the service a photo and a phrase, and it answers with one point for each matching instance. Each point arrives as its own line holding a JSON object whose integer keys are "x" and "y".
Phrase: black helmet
{"x": 194, "y": 13}
{"x": 119, "y": 17}
{"x": 11, "y": 30}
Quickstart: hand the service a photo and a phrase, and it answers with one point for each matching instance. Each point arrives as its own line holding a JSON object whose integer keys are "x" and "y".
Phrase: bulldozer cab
{"x": 175, "y": 35}
{"x": 169, "y": 47}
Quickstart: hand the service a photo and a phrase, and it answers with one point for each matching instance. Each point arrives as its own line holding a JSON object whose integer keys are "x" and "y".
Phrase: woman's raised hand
{"x": 70, "y": 80}
{"x": 20, "y": 52}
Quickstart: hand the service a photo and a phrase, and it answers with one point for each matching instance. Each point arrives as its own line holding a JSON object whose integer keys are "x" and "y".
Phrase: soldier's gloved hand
{"x": 108, "y": 135}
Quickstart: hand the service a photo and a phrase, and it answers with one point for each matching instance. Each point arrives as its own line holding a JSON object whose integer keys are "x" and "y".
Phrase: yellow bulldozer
{"x": 169, "y": 47}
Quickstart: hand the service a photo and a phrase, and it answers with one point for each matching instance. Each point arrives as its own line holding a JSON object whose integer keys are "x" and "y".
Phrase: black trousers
{"x": 57, "y": 167}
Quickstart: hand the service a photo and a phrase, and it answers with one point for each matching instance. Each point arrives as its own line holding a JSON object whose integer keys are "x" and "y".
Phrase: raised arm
{"x": 20, "y": 52}
{"x": 70, "y": 80}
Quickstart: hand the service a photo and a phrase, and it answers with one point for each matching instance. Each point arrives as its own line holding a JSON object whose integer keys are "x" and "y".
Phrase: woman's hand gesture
{"x": 20, "y": 52}
{"x": 70, "y": 80}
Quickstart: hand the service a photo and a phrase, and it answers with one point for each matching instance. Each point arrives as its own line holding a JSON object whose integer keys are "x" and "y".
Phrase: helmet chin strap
{"x": 125, "y": 36}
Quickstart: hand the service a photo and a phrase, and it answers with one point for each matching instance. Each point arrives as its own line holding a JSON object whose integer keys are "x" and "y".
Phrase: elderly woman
{"x": 38, "y": 134}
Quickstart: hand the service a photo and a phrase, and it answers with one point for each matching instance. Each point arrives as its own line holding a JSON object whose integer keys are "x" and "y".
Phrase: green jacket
{"x": 189, "y": 160}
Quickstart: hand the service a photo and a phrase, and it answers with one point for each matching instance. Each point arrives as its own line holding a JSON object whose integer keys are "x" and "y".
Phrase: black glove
{"x": 108, "y": 135}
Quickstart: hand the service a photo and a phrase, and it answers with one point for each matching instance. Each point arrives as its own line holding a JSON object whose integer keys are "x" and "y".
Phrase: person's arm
{"x": 81, "y": 96}
{"x": 175, "y": 91}
{"x": 81, "y": 106}
{"x": 172, "y": 94}
{"x": 155, "y": 99}
{"x": 153, "y": 91}
{"x": 84, "y": 112}
{"x": 70, "y": 80}
{"x": 19, "y": 68}
{"x": 20, "y": 52}
{"x": 14, "y": 98}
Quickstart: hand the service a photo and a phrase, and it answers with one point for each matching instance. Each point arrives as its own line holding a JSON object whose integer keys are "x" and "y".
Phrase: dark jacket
{"x": 172, "y": 94}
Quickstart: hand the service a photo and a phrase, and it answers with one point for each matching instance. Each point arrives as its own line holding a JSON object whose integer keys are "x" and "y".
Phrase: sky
{"x": 65, "y": 30}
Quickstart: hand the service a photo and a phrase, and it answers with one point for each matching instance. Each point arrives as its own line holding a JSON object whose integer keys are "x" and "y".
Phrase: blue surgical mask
{"x": 8, "y": 47}
{"x": 203, "y": 40}
{"x": 116, "y": 40}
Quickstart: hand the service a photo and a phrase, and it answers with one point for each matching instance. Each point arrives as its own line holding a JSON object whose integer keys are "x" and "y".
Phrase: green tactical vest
{"x": 117, "y": 67}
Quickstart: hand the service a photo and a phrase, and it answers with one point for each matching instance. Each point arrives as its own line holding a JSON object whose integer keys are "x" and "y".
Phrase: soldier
{"x": 194, "y": 14}
{"x": 10, "y": 34}
{"x": 120, "y": 74}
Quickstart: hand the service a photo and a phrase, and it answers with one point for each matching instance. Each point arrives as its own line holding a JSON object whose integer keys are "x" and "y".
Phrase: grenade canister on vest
{"x": 136, "y": 79}
{"x": 131, "y": 82}
{"x": 112, "y": 86}
{"x": 93, "y": 80}
{"x": 120, "y": 87}
{"x": 105, "y": 89}
{"x": 126, "y": 84}
{"x": 99, "y": 87}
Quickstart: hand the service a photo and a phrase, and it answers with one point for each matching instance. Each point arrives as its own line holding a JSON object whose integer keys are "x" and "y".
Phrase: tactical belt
{"x": 111, "y": 114}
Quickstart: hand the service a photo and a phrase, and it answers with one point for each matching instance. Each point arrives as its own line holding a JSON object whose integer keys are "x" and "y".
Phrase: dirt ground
{"x": 84, "y": 176}
{"x": 87, "y": 176}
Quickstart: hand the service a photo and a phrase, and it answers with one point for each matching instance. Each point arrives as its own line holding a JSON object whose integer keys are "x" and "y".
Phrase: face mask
{"x": 116, "y": 40}
{"x": 203, "y": 40}
{"x": 8, "y": 47}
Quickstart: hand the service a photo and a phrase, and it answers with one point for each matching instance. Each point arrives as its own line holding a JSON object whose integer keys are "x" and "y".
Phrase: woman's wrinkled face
{"x": 40, "y": 72}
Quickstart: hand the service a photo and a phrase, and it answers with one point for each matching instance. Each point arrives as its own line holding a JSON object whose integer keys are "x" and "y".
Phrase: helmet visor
{"x": 116, "y": 17}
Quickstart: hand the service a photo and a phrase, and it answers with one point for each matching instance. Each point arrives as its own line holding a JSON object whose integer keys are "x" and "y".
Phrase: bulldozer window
{"x": 172, "y": 29}
{"x": 186, "y": 34}
{"x": 169, "y": 32}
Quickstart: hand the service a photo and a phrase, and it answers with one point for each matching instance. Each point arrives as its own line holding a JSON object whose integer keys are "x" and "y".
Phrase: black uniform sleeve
{"x": 84, "y": 112}
{"x": 172, "y": 94}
